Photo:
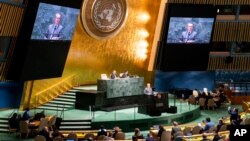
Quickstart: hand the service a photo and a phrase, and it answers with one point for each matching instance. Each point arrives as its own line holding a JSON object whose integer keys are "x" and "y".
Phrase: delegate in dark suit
{"x": 189, "y": 36}
{"x": 54, "y": 31}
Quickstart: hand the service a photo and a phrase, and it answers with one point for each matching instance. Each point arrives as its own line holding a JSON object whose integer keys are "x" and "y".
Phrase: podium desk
{"x": 86, "y": 98}
{"x": 121, "y": 87}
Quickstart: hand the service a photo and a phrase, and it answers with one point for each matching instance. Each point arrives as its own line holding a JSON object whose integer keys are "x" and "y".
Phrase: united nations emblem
{"x": 103, "y": 19}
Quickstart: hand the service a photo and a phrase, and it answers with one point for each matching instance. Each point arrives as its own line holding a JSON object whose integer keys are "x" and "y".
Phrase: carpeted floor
{"x": 123, "y": 114}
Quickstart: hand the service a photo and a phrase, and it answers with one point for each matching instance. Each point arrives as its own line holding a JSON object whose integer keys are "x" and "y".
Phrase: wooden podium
{"x": 155, "y": 105}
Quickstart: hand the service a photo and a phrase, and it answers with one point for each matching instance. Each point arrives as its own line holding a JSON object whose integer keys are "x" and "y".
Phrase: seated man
{"x": 113, "y": 75}
{"x": 189, "y": 36}
{"x": 148, "y": 89}
{"x": 125, "y": 75}
{"x": 102, "y": 131}
{"x": 175, "y": 129}
{"x": 208, "y": 125}
{"x": 26, "y": 114}
{"x": 235, "y": 118}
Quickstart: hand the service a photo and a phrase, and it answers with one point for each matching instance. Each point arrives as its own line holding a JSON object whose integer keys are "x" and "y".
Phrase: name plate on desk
{"x": 121, "y": 87}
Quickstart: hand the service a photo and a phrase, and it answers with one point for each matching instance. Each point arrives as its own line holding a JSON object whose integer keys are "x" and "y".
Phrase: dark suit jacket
{"x": 112, "y": 76}
{"x": 26, "y": 115}
{"x": 186, "y": 36}
{"x": 54, "y": 32}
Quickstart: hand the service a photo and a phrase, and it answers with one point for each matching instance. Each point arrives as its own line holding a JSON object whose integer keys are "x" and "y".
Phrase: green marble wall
{"x": 121, "y": 87}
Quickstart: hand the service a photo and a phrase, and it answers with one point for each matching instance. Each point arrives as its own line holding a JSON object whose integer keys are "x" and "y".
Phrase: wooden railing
{"x": 239, "y": 62}
{"x": 53, "y": 91}
{"x": 224, "y": 134}
{"x": 215, "y": 2}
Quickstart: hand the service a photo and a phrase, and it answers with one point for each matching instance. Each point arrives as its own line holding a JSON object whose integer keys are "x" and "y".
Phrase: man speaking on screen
{"x": 54, "y": 31}
{"x": 188, "y": 36}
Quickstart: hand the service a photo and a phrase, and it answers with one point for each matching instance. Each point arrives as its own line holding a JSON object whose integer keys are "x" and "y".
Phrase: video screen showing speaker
{"x": 44, "y": 39}
{"x": 54, "y": 22}
{"x": 190, "y": 30}
{"x": 186, "y": 37}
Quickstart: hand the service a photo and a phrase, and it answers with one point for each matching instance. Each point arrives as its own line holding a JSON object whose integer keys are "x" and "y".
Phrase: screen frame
{"x": 192, "y": 22}
{"x": 22, "y": 50}
{"x": 6, "y": 48}
{"x": 180, "y": 52}
{"x": 49, "y": 22}
{"x": 173, "y": 10}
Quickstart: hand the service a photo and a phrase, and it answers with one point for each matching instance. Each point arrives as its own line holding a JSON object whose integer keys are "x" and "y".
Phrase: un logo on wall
{"x": 103, "y": 19}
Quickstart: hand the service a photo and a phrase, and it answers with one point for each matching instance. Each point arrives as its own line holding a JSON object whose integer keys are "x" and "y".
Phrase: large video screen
{"x": 54, "y": 22}
{"x": 190, "y": 30}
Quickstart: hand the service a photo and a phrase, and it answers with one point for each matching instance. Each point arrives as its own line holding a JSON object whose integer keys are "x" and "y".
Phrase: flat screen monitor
{"x": 190, "y": 30}
{"x": 4, "y": 47}
{"x": 54, "y": 22}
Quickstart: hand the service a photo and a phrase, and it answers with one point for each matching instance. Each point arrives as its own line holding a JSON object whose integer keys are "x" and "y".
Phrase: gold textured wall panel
{"x": 216, "y": 2}
{"x": 239, "y": 63}
{"x": 88, "y": 58}
{"x": 10, "y": 21}
{"x": 231, "y": 31}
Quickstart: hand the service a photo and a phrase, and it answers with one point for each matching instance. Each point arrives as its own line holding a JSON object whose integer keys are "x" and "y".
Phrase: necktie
{"x": 188, "y": 36}
{"x": 52, "y": 34}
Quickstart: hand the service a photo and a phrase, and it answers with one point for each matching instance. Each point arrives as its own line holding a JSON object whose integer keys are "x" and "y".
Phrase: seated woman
{"x": 137, "y": 135}
{"x": 14, "y": 121}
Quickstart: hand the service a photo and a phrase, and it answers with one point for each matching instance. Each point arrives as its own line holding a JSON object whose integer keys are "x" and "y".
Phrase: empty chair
{"x": 72, "y": 136}
{"x": 12, "y": 130}
{"x": 141, "y": 139}
{"x": 223, "y": 128}
{"x": 187, "y": 131}
{"x": 89, "y": 135}
{"x": 24, "y": 128}
{"x": 245, "y": 107}
{"x": 178, "y": 136}
{"x": 211, "y": 103}
{"x": 166, "y": 136}
{"x": 40, "y": 138}
{"x": 120, "y": 136}
{"x": 211, "y": 130}
{"x": 192, "y": 100}
{"x": 196, "y": 130}
{"x": 101, "y": 138}
{"x": 202, "y": 103}
{"x": 58, "y": 139}
{"x": 247, "y": 121}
